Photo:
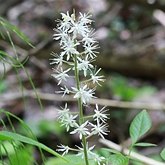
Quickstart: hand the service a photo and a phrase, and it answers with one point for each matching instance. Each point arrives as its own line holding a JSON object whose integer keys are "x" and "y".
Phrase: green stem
{"x": 130, "y": 150}
{"x": 81, "y": 116}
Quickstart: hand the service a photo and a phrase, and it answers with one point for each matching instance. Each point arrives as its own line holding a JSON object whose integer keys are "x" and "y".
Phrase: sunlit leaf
{"x": 162, "y": 154}
{"x": 145, "y": 145}
{"x": 118, "y": 159}
{"x": 139, "y": 126}
{"x": 5, "y": 135}
{"x": 73, "y": 160}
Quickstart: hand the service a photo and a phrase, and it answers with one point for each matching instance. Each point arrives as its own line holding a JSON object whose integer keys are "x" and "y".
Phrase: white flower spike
{"x": 78, "y": 50}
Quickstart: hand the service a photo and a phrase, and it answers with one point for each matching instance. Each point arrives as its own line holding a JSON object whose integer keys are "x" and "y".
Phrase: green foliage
{"x": 139, "y": 126}
{"x": 118, "y": 159}
{"x": 8, "y": 26}
{"x": 145, "y": 144}
{"x": 11, "y": 140}
{"x": 72, "y": 160}
{"x": 17, "y": 153}
{"x": 6, "y": 29}
{"x": 3, "y": 86}
{"x": 121, "y": 88}
{"x": 43, "y": 127}
{"x": 23, "y": 155}
{"x": 162, "y": 154}
{"x": 17, "y": 137}
{"x": 7, "y": 147}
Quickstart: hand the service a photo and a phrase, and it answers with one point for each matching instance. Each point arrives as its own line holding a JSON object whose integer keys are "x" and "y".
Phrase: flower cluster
{"x": 78, "y": 51}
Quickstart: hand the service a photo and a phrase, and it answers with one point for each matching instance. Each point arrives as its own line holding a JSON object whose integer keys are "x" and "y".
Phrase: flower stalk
{"x": 75, "y": 33}
{"x": 80, "y": 107}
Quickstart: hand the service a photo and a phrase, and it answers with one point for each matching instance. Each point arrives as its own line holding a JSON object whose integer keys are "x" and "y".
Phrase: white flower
{"x": 81, "y": 130}
{"x": 91, "y": 154}
{"x": 84, "y": 93}
{"x": 58, "y": 59}
{"x": 64, "y": 90}
{"x": 95, "y": 78}
{"x": 62, "y": 113}
{"x": 65, "y": 24}
{"x": 69, "y": 121}
{"x": 90, "y": 50}
{"x": 100, "y": 129}
{"x": 69, "y": 47}
{"x": 64, "y": 149}
{"x": 66, "y": 17}
{"x": 100, "y": 114}
{"x": 61, "y": 34}
{"x": 88, "y": 39}
{"x": 89, "y": 151}
{"x": 79, "y": 28}
{"x": 84, "y": 18}
{"x": 61, "y": 75}
{"x": 98, "y": 159}
{"x": 84, "y": 65}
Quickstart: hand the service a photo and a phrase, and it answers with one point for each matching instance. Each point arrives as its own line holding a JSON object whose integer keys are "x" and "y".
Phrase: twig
{"x": 69, "y": 98}
{"x": 159, "y": 15}
{"x": 133, "y": 155}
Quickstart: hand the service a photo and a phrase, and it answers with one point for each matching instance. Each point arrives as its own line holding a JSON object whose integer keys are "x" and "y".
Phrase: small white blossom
{"x": 63, "y": 148}
{"x": 79, "y": 28}
{"x": 64, "y": 90}
{"x": 96, "y": 79}
{"x": 69, "y": 47}
{"x": 65, "y": 24}
{"x": 69, "y": 121}
{"x": 60, "y": 35}
{"x": 89, "y": 151}
{"x": 100, "y": 114}
{"x": 85, "y": 18}
{"x": 84, "y": 65}
{"x": 98, "y": 159}
{"x": 91, "y": 155}
{"x": 81, "y": 130}
{"x": 63, "y": 112}
{"x": 58, "y": 59}
{"x": 84, "y": 93}
{"x": 88, "y": 39}
{"x": 100, "y": 129}
{"x": 90, "y": 50}
{"x": 61, "y": 75}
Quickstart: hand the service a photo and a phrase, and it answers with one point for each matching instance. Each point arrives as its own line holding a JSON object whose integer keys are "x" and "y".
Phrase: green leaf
{"x": 8, "y": 147}
{"x": 3, "y": 86}
{"x": 139, "y": 126}
{"x": 118, "y": 159}
{"x": 15, "y": 30}
{"x": 145, "y": 145}
{"x": 5, "y": 135}
{"x": 162, "y": 154}
{"x": 112, "y": 151}
{"x": 104, "y": 152}
{"x": 73, "y": 160}
{"x": 23, "y": 155}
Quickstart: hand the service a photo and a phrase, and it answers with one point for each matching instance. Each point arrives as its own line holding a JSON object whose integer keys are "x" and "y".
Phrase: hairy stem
{"x": 80, "y": 107}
